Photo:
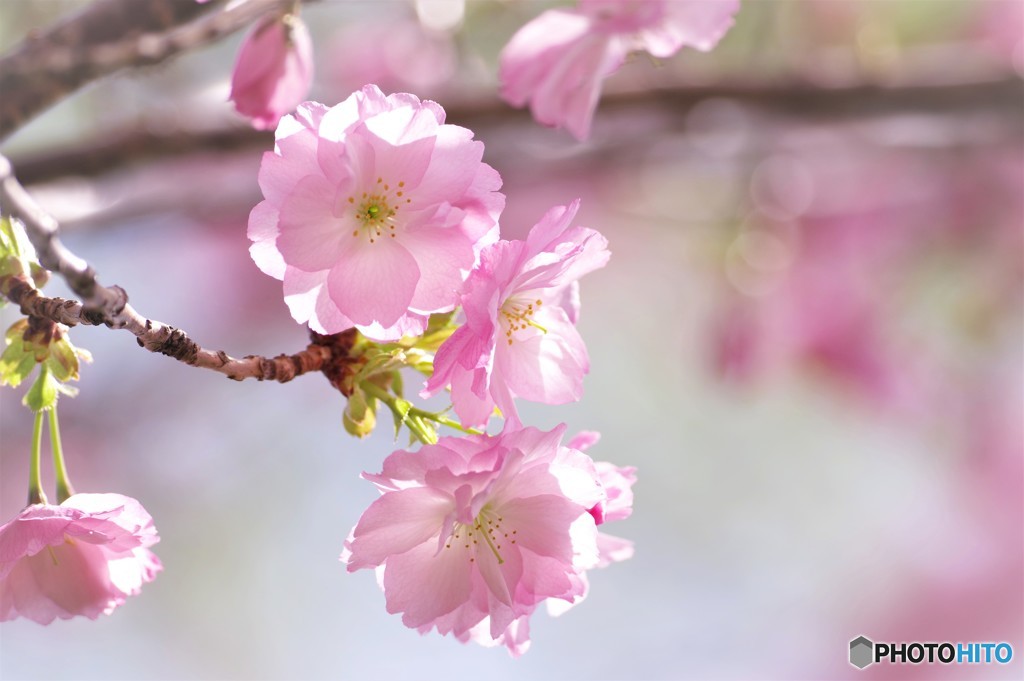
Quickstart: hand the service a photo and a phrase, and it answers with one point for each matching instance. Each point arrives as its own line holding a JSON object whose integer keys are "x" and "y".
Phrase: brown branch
{"x": 107, "y": 36}
{"x": 796, "y": 99}
{"x": 324, "y": 353}
{"x": 109, "y": 306}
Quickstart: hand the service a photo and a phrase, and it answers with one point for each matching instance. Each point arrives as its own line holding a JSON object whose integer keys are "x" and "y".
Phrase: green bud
{"x": 359, "y": 417}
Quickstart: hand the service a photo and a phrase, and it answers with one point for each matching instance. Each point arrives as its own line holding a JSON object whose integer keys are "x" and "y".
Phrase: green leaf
{"x": 8, "y": 239}
{"x": 63, "y": 360}
{"x": 16, "y": 253}
{"x": 19, "y": 358}
{"x": 15, "y": 365}
{"x": 42, "y": 396}
{"x": 16, "y": 331}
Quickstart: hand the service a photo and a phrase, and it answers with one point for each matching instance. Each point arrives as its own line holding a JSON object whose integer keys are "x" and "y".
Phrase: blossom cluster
{"x": 379, "y": 215}
{"x": 381, "y": 220}
{"x": 472, "y": 534}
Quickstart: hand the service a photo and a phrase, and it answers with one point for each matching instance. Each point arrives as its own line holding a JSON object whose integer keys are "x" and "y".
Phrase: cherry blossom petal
{"x": 375, "y": 283}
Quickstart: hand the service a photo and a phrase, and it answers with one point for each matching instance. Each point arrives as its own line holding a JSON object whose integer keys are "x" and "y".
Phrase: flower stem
{"x": 387, "y": 398}
{"x": 64, "y": 488}
{"x": 36, "y": 495}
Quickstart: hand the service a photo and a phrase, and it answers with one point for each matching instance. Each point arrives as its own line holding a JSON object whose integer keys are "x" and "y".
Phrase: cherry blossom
{"x": 472, "y": 533}
{"x": 83, "y": 557}
{"x": 521, "y": 306}
{"x": 274, "y": 70}
{"x": 375, "y": 212}
{"x": 557, "y": 62}
{"x": 617, "y": 503}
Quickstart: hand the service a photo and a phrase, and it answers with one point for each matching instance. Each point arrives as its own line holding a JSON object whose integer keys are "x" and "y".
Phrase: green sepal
{"x": 418, "y": 427}
{"x": 400, "y": 411}
{"x": 42, "y": 396}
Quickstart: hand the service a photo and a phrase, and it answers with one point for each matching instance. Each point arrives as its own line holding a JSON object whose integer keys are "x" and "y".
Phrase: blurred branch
{"x": 105, "y": 37}
{"x": 798, "y": 99}
{"x": 109, "y": 306}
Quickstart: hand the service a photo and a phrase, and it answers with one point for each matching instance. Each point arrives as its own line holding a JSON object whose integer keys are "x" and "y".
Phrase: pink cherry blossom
{"x": 375, "y": 212}
{"x": 617, "y": 503}
{"x": 274, "y": 70}
{"x": 83, "y": 557}
{"x": 558, "y": 61}
{"x": 472, "y": 533}
{"x": 521, "y": 306}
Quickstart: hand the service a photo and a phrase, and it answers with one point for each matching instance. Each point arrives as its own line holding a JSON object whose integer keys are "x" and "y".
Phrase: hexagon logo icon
{"x": 861, "y": 652}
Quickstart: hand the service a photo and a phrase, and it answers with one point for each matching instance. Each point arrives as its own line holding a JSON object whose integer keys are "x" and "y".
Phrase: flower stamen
{"x": 375, "y": 212}
{"x": 486, "y": 526}
{"x": 518, "y": 315}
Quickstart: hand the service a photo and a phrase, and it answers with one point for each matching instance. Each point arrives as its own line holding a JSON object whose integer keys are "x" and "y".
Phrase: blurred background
{"x": 809, "y": 340}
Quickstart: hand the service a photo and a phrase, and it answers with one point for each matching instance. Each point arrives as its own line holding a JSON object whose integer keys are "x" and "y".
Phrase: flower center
{"x": 375, "y": 210}
{"x": 486, "y": 528}
{"x": 518, "y": 314}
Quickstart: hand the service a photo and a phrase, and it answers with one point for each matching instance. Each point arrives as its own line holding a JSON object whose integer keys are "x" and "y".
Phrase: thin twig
{"x": 109, "y": 305}
{"x": 106, "y": 37}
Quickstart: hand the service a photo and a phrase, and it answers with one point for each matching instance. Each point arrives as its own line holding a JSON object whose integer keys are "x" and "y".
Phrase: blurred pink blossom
{"x": 558, "y": 61}
{"x": 521, "y": 306}
{"x": 274, "y": 70}
{"x": 83, "y": 557}
{"x": 473, "y": 533}
{"x": 375, "y": 212}
{"x": 397, "y": 55}
{"x": 891, "y": 270}
{"x": 1000, "y": 29}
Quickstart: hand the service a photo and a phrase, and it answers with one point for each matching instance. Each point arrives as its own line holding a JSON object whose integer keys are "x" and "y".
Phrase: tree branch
{"x": 142, "y": 143}
{"x": 109, "y": 306}
{"x": 107, "y": 36}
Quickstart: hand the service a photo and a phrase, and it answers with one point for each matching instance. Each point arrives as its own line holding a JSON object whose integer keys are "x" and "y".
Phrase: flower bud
{"x": 359, "y": 417}
{"x": 274, "y": 70}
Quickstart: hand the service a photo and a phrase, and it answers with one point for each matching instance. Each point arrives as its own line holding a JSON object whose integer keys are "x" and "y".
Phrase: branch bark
{"x": 130, "y": 145}
{"x": 107, "y": 36}
{"x": 109, "y": 306}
